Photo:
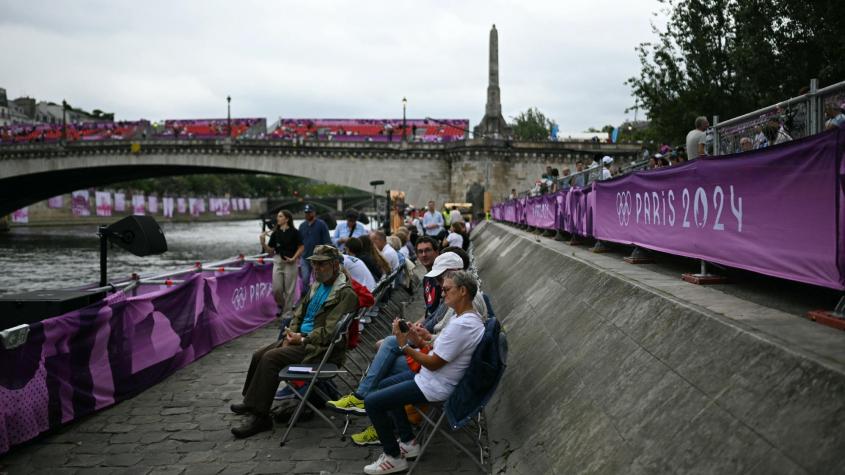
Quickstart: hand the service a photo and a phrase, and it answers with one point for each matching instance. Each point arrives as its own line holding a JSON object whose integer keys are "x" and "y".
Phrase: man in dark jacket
{"x": 307, "y": 340}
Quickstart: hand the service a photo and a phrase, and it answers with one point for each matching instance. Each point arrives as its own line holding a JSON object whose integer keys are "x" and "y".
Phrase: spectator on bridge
{"x": 746, "y": 144}
{"x": 606, "y": 162}
{"x": 328, "y": 299}
{"x": 379, "y": 240}
{"x": 442, "y": 368}
{"x": 313, "y": 232}
{"x": 697, "y": 138}
{"x": 286, "y": 247}
{"x": 370, "y": 253}
{"x": 433, "y": 222}
{"x": 347, "y": 229}
{"x": 835, "y": 115}
{"x": 773, "y": 133}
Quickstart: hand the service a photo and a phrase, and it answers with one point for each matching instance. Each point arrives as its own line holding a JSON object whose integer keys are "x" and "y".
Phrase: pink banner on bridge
{"x": 56, "y": 202}
{"x": 21, "y": 216}
{"x": 103, "y": 202}
{"x": 80, "y": 203}
{"x": 119, "y": 202}
{"x": 138, "y": 204}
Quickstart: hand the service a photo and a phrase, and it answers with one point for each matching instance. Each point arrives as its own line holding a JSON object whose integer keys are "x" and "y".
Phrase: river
{"x": 37, "y": 258}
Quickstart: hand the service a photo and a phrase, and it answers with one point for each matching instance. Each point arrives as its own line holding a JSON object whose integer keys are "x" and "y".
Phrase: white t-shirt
{"x": 455, "y": 217}
{"x": 695, "y": 137}
{"x": 605, "y": 174}
{"x": 455, "y": 344}
{"x": 390, "y": 256}
{"x": 359, "y": 271}
{"x": 455, "y": 240}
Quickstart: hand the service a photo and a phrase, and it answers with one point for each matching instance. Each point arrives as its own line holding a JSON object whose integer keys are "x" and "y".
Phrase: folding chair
{"x": 457, "y": 410}
{"x": 321, "y": 372}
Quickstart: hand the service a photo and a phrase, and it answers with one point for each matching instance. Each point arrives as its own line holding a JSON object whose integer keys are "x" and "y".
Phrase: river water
{"x": 38, "y": 258}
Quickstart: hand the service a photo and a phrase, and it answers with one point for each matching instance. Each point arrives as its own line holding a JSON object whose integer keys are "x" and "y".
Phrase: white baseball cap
{"x": 444, "y": 262}
{"x": 607, "y": 159}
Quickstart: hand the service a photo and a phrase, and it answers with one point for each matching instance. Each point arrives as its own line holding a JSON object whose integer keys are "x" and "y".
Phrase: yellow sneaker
{"x": 366, "y": 437}
{"x": 348, "y": 404}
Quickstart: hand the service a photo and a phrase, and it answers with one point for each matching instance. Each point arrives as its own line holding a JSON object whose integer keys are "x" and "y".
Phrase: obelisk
{"x": 493, "y": 125}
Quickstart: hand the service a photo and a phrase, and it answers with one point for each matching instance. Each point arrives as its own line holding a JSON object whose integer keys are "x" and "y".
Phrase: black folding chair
{"x": 321, "y": 372}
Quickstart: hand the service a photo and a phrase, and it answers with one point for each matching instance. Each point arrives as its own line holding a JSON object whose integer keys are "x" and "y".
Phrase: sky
{"x": 329, "y": 59}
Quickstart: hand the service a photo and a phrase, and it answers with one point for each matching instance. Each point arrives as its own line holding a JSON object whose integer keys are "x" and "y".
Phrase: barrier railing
{"x": 75, "y": 364}
{"x": 775, "y": 211}
{"x": 800, "y": 116}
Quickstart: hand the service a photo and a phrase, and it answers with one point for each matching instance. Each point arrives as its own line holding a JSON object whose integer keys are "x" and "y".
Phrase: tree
{"x": 532, "y": 126}
{"x": 729, "y": 57}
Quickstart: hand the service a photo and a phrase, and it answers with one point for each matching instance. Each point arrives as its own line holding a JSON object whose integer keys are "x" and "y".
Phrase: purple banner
{"x": 772, "y": 211}
{"x": 119, "y": 201}
{"x": 83, "y": 361}
{"x": 542, "y": 212}
{"x": 80, "y": 204}
{"x": 56, "y": 202}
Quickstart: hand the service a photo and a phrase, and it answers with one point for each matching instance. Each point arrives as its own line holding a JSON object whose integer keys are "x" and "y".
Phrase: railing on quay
{"x": 585, "y": 178}
{"x": 802, "y": 116}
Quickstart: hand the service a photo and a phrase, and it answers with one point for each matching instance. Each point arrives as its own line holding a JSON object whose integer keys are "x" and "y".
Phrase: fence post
{"x": 815, "y": 109}
{"x": 716, "y": 138}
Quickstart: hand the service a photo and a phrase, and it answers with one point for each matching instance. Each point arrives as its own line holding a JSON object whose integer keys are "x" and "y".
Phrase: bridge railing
{"x": 801, "y": 116}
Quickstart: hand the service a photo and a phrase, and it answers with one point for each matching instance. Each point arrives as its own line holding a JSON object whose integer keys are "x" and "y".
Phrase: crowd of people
{"x": 419, "y": 361}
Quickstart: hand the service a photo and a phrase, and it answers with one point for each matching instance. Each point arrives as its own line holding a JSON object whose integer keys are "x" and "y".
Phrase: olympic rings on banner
{"x": 623, "y": 207}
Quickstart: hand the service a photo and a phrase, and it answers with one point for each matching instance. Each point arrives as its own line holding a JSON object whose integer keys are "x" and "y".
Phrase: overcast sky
{"x": 326, "y": 59}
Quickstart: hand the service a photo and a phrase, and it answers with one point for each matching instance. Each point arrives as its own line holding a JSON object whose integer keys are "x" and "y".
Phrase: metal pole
{"x": 387, "y": 214}
{"x": 717, "y": 149}
{"x": 816, "y": 109}
{"x": 101, "y": 232}
{"x": 404, "y": 104}
{"x": 64, "y": 121}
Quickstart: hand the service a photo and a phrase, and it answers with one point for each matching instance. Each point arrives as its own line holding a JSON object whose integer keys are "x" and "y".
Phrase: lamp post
{"x": 374, "y": 184}
{"x": 229, "y": 115}
{"x": 64, "y": 121}
{"x": 404, "y": 106}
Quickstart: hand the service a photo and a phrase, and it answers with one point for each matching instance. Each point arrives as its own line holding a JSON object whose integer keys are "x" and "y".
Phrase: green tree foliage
{"x": 729, "y": 57}
{"x": 532, "y": 126}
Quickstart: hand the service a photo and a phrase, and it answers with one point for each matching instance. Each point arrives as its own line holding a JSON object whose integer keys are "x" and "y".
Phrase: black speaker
{"x": 140, "y": 235}
{"x": 31, "y": 307}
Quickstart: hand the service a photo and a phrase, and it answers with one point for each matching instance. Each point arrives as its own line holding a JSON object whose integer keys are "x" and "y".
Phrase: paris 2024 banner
{"x": 775, "y": 211}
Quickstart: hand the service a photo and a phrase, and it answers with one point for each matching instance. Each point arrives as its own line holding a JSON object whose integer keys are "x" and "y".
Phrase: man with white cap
{"x": 389, "y": 360}
{"x": 606, "y": 162}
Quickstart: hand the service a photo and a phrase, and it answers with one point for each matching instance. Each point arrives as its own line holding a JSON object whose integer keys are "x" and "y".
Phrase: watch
{"x": 404, "y": 347}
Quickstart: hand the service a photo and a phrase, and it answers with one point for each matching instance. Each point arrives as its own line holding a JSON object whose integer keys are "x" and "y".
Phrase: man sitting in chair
{"x": 306, "y": 341}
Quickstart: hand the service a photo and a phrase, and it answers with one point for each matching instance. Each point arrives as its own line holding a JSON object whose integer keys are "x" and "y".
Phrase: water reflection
{"x": 54, "y": 257}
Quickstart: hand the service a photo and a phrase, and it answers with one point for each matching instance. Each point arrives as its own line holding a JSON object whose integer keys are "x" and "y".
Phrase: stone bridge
{"x": 443, "y": 172}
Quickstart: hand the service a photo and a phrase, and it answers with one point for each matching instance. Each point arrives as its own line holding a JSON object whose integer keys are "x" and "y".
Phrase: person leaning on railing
{"x": 441, "y": 371}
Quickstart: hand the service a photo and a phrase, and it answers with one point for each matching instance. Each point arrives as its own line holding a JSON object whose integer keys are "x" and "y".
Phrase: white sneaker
{"x": 409, "y": 450}
{"x": 386, "y": 464}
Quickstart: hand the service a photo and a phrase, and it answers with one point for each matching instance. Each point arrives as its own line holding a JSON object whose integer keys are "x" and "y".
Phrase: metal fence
{"x": 800, "y": 116}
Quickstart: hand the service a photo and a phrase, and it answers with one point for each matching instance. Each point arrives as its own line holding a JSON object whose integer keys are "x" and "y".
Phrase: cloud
{"x": 159, "y": 60}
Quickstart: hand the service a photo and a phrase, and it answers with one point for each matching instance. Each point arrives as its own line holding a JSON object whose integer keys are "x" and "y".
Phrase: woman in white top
{"x": 442, "y": 369}
{"x": 454, "y": 238}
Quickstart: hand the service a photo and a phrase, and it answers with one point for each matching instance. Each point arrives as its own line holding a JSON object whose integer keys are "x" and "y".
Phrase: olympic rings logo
{"x": 623, "y": 207}
{"x": 239, "y": 298}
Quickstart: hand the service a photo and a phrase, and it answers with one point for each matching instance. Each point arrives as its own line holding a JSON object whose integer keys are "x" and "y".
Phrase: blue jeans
{"x": 388, "y": 361}
{"x": 386, "y": 410}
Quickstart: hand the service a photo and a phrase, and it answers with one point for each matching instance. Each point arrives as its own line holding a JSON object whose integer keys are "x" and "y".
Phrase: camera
{"x": 403, "y": 326}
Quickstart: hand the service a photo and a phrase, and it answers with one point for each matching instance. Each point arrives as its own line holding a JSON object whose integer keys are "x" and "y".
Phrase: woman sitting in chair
{"x": 442, "y": 369}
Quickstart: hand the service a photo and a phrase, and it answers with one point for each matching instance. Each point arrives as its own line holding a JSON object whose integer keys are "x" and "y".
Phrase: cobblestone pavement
{"x": 181, "y": 426}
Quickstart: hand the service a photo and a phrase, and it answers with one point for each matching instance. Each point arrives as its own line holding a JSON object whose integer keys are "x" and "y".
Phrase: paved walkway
{"x": 181, "y": 426}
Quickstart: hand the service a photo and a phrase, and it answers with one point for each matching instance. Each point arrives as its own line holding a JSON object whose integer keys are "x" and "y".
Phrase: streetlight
{"x": 229, "y": 115}
{"x": 404, "y": 106}
{"x": 374, "y": 184}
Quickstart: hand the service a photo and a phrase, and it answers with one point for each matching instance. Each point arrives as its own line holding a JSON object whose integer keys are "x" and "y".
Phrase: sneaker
{"x": 410, "y": 450}
{"x": 368, "y": 436}
{"x": 386, "y": 464}
{"x": 348, "y": 404}
{"x": 287, "y": 393}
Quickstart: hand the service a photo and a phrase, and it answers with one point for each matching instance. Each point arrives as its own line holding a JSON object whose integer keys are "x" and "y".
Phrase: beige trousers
{"x": 284, "y": 282}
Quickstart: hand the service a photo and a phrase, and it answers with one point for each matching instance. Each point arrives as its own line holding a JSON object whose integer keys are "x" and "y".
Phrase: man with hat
{"x": 313, "y": 232}
{"x": 606, "y": 162}
{"x": 306, "y": 341}
{"x": 349, "y": 229}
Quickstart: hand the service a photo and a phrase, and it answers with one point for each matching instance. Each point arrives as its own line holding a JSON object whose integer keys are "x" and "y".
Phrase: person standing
{"x": 455, "y": 216}
{"x": 433, "y": 222}
{"x": 349, "y": 229}
{"x": 313, "y": 232}
{"x": 286, "y": 247}
{"x": 697, "y": 138}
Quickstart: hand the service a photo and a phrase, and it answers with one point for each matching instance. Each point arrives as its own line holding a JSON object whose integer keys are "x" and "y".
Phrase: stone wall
{"x": 617, "y": 369}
